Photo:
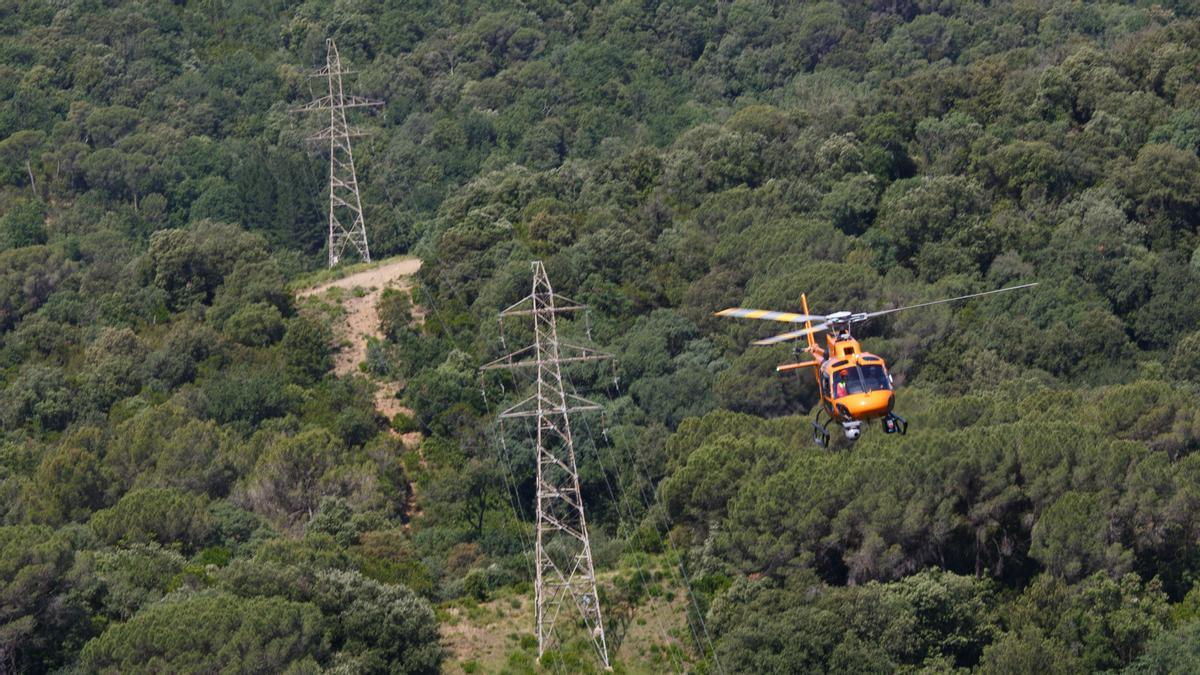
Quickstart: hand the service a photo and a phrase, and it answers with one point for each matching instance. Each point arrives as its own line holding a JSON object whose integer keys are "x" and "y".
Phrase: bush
{"x": 356, "y": 425}
{"x": 403, "y": 423}
{"x": 255, "y": 325}
{"x": 248, "y": 395}
{"x": 161, "y": 515}
{"x": 386, "y": 626}
{"x": 213, "y": 631}
{"x": 395, "y": 313}
{"x": 307, "y": 349}
{"x": 23, "y": 225}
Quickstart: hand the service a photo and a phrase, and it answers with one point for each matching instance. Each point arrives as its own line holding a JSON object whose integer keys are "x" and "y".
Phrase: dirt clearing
{"x": 362, "y": 317}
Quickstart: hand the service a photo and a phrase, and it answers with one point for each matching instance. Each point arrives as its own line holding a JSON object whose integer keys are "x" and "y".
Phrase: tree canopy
{"x": 186, "y": 483}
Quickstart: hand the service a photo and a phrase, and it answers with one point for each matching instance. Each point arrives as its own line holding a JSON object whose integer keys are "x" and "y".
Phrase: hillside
{"x": 355, "y": 320}
{"x": 216, "y": 454}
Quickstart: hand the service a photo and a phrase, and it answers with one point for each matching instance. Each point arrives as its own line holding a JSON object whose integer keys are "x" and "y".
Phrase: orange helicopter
{"x": 855, "y": 386}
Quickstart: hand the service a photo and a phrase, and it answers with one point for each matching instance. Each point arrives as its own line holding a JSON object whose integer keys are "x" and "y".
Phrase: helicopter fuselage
{"x": 854, "y": 385}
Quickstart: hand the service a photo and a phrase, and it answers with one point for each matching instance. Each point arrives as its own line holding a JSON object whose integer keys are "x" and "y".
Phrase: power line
{"x": 345, "y": 204}
{"x": 706, "y": 646}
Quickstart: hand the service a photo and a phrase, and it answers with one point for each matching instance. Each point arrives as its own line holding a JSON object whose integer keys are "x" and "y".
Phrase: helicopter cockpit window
{"x": 867, "y": 378}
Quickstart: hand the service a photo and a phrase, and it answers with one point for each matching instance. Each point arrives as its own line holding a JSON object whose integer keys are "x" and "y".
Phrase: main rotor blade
{"x": 863, "y": 317}
{"x": 784, "y": 337}
{"x": 767, "y": 315}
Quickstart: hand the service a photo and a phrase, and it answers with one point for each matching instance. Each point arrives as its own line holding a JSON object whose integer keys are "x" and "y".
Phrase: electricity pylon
{"x": 563, "y": 554}
{"x": 345, "y": 205}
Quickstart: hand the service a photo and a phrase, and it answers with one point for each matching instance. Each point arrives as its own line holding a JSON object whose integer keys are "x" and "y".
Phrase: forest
{"x": 187, "y": 486}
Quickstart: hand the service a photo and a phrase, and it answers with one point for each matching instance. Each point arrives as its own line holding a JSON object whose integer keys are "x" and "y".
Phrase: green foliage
{"x": 926, "y": 619}
{"x": 161, "y": 515}
{"x": 1028, "y": 652}
{"x": 380, "y": 627}
{"x": 23, "y": 225}
{"x": 395, "y": 313}
{"x": 38, "y": 396}
{"x": 307, "y": 348}
{"x": 665, "y": 160}
{"x": 445, "y": 395}
{"x": 35, "y": 617}
{"x": 68, "y": 485}
{"x": 213, "y": 630}
{"x": 249, "y": 395}
{"x": 386, "y": 626}
{"x": 163, "y": 446}
{"x": 28, "y": 276}
{"x": 295, "y": 472}
{"x": 1176, "y": 651}
{"x": 1105, "y": 622}
{"x": 772, "y": 503}
{"x": 191, "y": 264}
{"x": 134, "y": 577}
{"x": 255, "y": 325}
{"x": 1071, "y": 541}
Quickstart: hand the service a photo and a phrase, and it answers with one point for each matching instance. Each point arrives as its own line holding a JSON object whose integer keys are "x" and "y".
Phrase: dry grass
{"x": 650, "y": 638}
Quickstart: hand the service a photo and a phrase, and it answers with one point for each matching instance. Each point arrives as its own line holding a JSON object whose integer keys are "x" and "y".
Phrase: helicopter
{"x": 855, "y": 386}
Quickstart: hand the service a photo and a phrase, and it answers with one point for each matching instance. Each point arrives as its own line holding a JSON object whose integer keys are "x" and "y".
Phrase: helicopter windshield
{"x": 863, "y": 379}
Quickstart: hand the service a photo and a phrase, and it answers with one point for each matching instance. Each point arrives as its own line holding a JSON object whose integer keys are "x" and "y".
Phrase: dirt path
{"x": 362, "y": 318}
{"x": 360, "y": 323}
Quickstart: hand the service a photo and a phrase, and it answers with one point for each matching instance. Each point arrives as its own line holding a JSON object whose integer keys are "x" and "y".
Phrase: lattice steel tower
{"x": 563, "y": 554}
{"x": 345, "y": 205}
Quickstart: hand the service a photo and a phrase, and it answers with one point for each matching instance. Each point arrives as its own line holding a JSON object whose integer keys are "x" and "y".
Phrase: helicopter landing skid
{"x": 895, "y": 424}
{"x": 821, "y": 431}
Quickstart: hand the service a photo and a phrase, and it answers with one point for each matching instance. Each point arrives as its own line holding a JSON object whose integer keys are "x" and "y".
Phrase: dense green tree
{"x": 377, "y": 627}
{"x": 161, "y": 515}
{"x": 21, "y": 152}
{"x": 249, "y": 395}
{"x": 395, "y": 313}
{"x": 1105, "y": 622}
{"x": 68, "y": 485}
{"x": 295, "y": 472}
{"x": 1176, "y": 651}
{"x": 37, "y": 617}
{"x": 1070, "y": 539}
{"x": 191, "y": 264}
{"x": 1162, "y": 180}
{"x": 175, "y": 361}
{"x": 255, "y": 325}
{"x": 132, "y": 578}
{"x": 1027, "y": 652}
{"x": 213, "y": 630}
{"x": 39, "y": 395}
{"x": 30, "y": 275}
{"x": 23, "y": 225}
{"x": 163, "y": 446}
{"x": 307, "y": 349}
{"x": 441, "y": 395}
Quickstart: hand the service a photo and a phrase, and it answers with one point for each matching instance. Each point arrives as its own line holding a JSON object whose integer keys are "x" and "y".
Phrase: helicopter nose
{"x": 869, "y": 405}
